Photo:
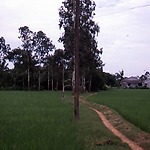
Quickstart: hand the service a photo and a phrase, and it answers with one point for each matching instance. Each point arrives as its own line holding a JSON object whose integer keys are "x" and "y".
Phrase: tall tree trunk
{"x": 56, "y": 88}
{"x": 76, "y": 91}
{"x": 63, "y": 86}
{"x": 52, "y": 79}
{"x": 90, "y": 83}
{"x": 83, "y": 83}
{"x": 14, "y": 85}
{"x": 48, "y": 78}
{"x": 28, "y": 78}
{"x": 52, "y": 83}
{"x": 39, "y": 82}
{"x": 23, "y": 84}
{"x": 28, "y": 72}
{"x": 73, "y": 81}
{"x": 52, "y": 75}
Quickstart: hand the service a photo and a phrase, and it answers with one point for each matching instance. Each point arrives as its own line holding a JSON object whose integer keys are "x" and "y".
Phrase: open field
{"x": 132, "y": 104}
{"x": 35, "y": 121}
{"x": 42, "y": 121}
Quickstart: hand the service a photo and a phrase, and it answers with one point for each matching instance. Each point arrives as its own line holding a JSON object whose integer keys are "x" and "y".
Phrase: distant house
{"x": 146, "y": 83}
{"x": 131, "y": 82}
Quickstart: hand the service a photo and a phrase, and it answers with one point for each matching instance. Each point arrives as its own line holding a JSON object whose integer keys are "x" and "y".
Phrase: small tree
{"x": 119, "y": 76}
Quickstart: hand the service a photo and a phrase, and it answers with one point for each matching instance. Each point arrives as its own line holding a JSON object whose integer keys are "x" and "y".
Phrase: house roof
{"x": 147, "y": 80}
{"x": 134, "y": 80}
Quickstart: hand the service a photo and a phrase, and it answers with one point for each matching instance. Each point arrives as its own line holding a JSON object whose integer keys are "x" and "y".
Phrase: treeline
{"x": 38, "y": 65}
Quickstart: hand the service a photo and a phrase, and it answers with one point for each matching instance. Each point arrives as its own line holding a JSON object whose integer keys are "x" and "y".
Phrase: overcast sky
{"x": 124, "y": 29}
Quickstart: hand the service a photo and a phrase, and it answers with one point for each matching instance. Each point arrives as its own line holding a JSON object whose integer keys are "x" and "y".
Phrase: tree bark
{"x": 83, "y": 83}
{"x": 56, "y": 88}
{"x": 76, "y": 91}
{"x": 39, "y": 87}
{"x": 73, "y": 81}
{"x": 90, "y": 83}
{"x": 23, "y": 83}
{"x": 28, "y": 71}
{"x": 63, "y": 86}
{"x": 52, "y": 75}
{"x": 48, "y": 78}
{"x": 28, "y": 78}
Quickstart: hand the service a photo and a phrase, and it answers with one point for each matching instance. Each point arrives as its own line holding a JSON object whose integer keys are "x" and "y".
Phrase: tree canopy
{"x": 39, "y": 65}
{"x": 89, "y": 55}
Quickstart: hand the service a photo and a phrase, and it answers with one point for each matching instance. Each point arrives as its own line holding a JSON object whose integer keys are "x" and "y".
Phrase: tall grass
{"x": 96, "y": 136}
{"x": 36, "y": 121}
{"x": 42, "y": 121}
{"x": 132, "y": 104}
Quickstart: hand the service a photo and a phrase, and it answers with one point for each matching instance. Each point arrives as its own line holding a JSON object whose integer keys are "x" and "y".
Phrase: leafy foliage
{"x": 37, "y": 67}
{"x": 4, "y": 49}
{"x": 89, "y": 55}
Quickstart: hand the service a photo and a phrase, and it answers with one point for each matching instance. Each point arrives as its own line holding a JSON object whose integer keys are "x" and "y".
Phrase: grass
{"x": 42, "y": 121}
{"x": 36, "y": 121}
{"x": 96, "y": 136}
{"x": 132, "y": 104}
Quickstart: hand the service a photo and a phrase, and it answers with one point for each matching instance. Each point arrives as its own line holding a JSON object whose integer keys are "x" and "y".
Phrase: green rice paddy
{"x": 43, "y": 121}
{"x": 132, "y": 104}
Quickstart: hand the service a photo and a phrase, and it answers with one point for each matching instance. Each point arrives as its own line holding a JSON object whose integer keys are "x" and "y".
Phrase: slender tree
{"x": 4, "y": 49}
{"x": 119, "y": 76}
{"x": 89, "y": 55}
{"x": 49, "y": 64}
{"x": 18, "y": 58}
{"x": 26, "y": 36}
{"x": 42, "y": 48}
{"x": 76, "y": 60}
{"x": 57, "y": 66}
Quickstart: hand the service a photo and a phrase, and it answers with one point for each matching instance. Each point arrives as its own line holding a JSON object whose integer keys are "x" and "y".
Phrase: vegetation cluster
{"x": 39, "y": 65}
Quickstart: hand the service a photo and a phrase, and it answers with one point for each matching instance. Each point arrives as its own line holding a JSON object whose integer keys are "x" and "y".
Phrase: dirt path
{"x": 140, "y": 140}
{"x": 124, "y": 139}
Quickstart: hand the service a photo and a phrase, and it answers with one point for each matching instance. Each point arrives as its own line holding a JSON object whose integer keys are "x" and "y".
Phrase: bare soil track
{"x": 124, "y": 139}
{"x": 139, "y": 141}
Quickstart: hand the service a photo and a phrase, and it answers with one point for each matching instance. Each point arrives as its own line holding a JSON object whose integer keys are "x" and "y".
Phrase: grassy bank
{"x": 42, "y": 121}
{"x": 96, "y": 136}
{"x": 132, "y": 104}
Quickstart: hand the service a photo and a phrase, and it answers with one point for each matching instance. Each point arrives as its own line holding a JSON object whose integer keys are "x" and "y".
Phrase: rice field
{"x": 132, "y": 104}
{"x": 35, "y": 121}
{"x": 43, "y": 121}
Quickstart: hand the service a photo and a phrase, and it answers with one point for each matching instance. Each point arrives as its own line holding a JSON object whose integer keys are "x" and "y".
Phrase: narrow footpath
{"x": 133, "y": 145}
{"x": 124, "y": 139}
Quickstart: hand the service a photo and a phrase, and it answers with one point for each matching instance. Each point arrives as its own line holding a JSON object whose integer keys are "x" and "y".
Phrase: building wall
{"x": 147, "y": 83}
